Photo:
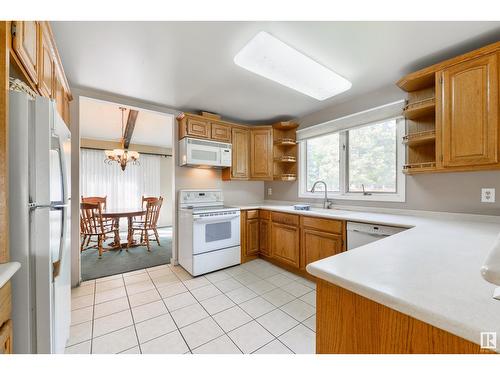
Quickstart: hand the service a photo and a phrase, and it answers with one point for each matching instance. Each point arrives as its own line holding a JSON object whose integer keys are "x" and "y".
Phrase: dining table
{"x": 116, "y": 214}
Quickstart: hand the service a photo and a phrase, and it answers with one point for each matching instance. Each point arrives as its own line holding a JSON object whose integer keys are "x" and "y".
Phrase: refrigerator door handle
{"x": 57, "y": 146}
{"x": 56, "y": 265}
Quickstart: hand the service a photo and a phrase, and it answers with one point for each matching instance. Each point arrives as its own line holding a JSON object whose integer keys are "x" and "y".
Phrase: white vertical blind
{"x": 123, "y": 189}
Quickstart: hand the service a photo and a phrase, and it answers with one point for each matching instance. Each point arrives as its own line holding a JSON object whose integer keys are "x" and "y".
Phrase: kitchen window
{"x": 359, "y": 163}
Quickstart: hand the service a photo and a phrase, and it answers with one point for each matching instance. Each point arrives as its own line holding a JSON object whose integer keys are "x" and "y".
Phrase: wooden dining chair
{"x": 149, "y": 222}
{"x": 93, "y": 224}
{"x": 102, "y": 201}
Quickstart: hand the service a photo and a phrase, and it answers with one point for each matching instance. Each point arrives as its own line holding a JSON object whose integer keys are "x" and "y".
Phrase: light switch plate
{"x": 488, "y": 195}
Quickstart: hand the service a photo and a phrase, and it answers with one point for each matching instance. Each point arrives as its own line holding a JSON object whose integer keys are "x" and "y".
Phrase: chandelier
{"x": 122, "y": 156}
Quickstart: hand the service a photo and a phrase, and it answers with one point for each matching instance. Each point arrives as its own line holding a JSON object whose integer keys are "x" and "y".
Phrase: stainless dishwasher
{"x": 359, "y": 234}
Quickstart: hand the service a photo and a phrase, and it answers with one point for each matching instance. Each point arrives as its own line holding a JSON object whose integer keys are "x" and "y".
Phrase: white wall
{"x": 166, "y": 191}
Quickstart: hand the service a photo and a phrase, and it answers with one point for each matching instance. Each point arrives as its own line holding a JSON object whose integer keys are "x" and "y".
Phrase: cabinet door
{"x": 264, "y": 237}
{"x": 198, "y": 128}
{"x": 46, "y": 72}
{"x": 252, "y": 237}
{"x": 221, "y": 132}
{"x": 317, "y": 245}
{"x": 261, "y": 154}
{"x": 469, "y": 118}
{"x": 24, "y": 44}
{"x": 240, "y": 156}
{"x": 285, "y": 244}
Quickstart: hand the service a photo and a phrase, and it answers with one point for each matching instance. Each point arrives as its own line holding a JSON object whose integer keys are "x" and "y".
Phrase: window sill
{"x": 375, "y": 197}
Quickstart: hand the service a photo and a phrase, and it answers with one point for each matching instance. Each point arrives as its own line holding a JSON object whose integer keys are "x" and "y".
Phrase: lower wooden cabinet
{"x": 265, "y": 237}
{"x": 252, "y": 234}
{"x": 6, "y": 338}
{"x": 317, "y": 245}
{"x": 285, "y": 244}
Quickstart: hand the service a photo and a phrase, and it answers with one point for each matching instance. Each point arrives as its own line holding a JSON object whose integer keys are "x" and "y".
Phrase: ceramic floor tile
{"x": 306, "y": 282}
{"x": 79, "y": 333}
{"x": 81, "y": 302}
{"x": 88, "y": 282}
{"x": 157, "y": 268}
{"x": 165, "y": 280}
{"x": 111, "y": 307}
{"x": 279, "y": 280}
{"x": 261, "y": 287}
{"x": 132, "y": 273}
{"x": 139, "y": 287}
{"x": 148, "y": 311}
{"x": 290, "y": 275}
{"x": 250, "y": 337}
{"x": 81, "y": 315}
{"x": 132, "y": 279}
{"x": 108, "y": 285}
{"x": 82, "y": 348}
{"x": 300, "y": 340}
{"x": 221, "y": 345}
{"x": 274, "y": 347}
{"x": 241, "y": 295}
{"x": 278, "y": 297}
{"x": 110, "y": 295}
{"x": 189, "y": 314}
{"x": 152, "y": 328}
{"x": 247, "y": 278}
{"x": 201, "y": 332}
{"x": 228, "y": 285}
{"x": 310, "y": 323}
{"x": 310, "y": 298}
{"x": 296, "y": 289}
{"x": 172, "y": 289}
{"x": 82, "y": 290}
{"x": 205, "y": 292}
{"x": 179, "y": 301}
{"x": 112, "y": 323}
{"x": 232, "y": 318}
{"x": 161, "y": 272}
{"x": 115, "y": 342}
{"x": 107, "y": 278}
{"x": 217, "y": 276}
{"x": 257, "y": 307}
{"x": 236, "y": 270}
{"x": 298, "y": 310}
{"x": 216, "y": 304}
{"x": 265, "y": 272}
{"x": 277, "y": 322}
{"x": 134, "y": 350}
{"x": 197, "y": 282}
{"x": 144, "y": 297}
{"x": 171, "y": 343}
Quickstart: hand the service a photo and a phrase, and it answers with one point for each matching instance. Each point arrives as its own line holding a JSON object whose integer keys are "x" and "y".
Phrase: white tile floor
{"x": 252, "y": 308}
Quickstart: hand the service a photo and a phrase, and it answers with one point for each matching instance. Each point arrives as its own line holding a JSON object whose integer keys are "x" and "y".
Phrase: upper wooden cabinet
{"x": 220, "y": 132}
{"x": 469, "y": 112}
{"x": 261, "y": 153}
{"x": 191, "y": 126}
{"x": 452, "y": 114}
{"x": 35, "y": 56}
{"x": 240, "y": 154}
{"x": 25, "y": 40}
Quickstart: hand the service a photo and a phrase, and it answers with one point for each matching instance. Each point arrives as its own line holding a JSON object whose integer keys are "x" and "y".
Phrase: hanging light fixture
{"x": 122, "y": 156}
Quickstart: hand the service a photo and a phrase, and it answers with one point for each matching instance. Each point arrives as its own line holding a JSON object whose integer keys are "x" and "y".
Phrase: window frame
{"x": 344, "y": 193}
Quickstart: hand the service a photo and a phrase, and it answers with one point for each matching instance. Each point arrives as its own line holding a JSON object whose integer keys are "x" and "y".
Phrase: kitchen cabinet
{"x": 252, "y": 237}
{"x": 285, "y": 244}
{"x": 261, "y": 153}
{"x": 25, "y": 40}
{"x": 265, "y": 233}
{"x": 220, "y": 132}
{"x": 6, "y": 338}
{"x": 46, "y": 66}
{"x": 240, "y": 169}
{"x": 5, "y": 323}
{"x": 249, "y": 235}
{"x": 469, "y": 112}
{"x": 194, "y": 126}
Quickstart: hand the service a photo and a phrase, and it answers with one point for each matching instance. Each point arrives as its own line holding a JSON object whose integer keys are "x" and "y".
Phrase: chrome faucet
{"x": 327, "y": 203}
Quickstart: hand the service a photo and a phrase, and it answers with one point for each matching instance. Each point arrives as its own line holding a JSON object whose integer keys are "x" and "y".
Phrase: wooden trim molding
{"x": 4, "y": 134}
{"x": 347, "y": 323}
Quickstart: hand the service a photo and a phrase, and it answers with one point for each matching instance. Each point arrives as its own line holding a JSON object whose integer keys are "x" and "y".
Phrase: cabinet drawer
{"x": 5, "y": 303}
{"x": 252, "y": 214}
{"x": 6, "y": 338}
{"x": 221, "y": 132}
{"x": 288, "y": 219}
{"x": 265, "y": 214}
{"x": 324, "y": 225}
{"x": 198, "y": 128}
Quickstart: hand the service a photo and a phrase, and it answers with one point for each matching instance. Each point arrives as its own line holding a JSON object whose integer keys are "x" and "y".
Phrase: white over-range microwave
{"x": 204, "y": 153}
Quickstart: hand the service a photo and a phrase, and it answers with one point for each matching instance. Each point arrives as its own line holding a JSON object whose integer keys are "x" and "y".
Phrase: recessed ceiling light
{"x": 271, "y": 58}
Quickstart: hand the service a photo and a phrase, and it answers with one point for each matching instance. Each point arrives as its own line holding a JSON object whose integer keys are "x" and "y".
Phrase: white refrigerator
{"x": 39, "y": 196}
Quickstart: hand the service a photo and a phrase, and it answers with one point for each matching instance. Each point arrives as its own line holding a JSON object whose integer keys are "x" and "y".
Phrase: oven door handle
{"x": 215, "y": 218}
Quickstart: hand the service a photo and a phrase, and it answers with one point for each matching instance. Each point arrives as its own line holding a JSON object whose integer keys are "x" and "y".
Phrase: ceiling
{"x": 189, "y": 65}
{"x": 102, "y": 120}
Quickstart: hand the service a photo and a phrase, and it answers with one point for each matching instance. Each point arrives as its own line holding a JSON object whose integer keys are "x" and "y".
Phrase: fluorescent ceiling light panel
{"x": 271, "y": 58}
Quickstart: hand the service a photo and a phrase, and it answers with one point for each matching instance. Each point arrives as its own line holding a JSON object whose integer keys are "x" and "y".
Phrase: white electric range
{"x": 209, "y": 232}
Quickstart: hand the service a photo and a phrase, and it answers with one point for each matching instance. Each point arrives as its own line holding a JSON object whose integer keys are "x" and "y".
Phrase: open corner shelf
{"x": 286, "y": 177}
{"x": 421, "y": 108}
{"x": 285, "y": 142}
{"x": 286, "y": 159}
{"x": 419, "y": 167}
{"x": 420, "y": 138}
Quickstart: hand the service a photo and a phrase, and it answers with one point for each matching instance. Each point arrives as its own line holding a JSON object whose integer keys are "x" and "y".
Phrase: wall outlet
{"x": 488, "y": 195}
{"x": 269, "y": 191}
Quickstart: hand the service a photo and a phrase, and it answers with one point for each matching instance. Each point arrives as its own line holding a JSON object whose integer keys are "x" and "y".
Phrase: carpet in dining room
{"x": 115, "y": 261}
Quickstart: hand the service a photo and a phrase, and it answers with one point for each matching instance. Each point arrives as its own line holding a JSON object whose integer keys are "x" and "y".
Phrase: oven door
{"x": 215, "y": 231}
{"x": 202, "y": 153}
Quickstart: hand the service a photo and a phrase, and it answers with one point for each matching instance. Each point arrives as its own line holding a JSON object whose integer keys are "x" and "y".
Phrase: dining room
{"x": 126, "y": 188}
